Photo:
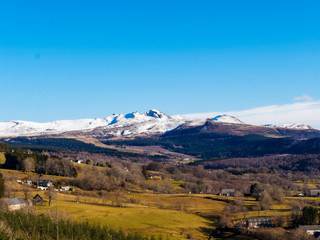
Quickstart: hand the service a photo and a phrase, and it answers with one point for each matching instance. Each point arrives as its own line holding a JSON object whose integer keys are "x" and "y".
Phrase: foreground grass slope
{"x": 146, "y": 214}
{"x": 21, "y": 225}
{"x": 144, "y": 220}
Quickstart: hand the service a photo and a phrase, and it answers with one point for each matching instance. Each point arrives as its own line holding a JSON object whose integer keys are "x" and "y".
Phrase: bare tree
{"x": 306, "y": 189}
{"x": 28, "y": 164}
{"x": 266, "y": 200}
{"x": 51, "y": 193}
{"x": 117, "y": 198}
{"x": 225, "y": 220}
{"x": 238, "y": 198}
{"x": 9, "y": 191}
{"x": 26, "y": 191}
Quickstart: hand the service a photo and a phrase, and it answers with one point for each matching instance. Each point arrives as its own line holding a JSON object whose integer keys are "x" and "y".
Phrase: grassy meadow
{"x": 172, "y": 216}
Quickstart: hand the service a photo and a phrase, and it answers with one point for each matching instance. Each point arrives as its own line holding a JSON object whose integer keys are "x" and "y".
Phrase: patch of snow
{"x": 157, "y": 114}
{"x": 291, "y": 126}
{"x": 227, "y": 119}
{"x": 196, "y": 123}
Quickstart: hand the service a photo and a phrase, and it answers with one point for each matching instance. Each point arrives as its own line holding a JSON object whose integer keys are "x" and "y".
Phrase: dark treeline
{"x": 213, "y": 145}
{"x": 205, "y": 146}
{"x": 26, "y": 160}
{"x": 309, "y": 163}
{"x": 67, "y": 145}
{"x": 19, "y": 225}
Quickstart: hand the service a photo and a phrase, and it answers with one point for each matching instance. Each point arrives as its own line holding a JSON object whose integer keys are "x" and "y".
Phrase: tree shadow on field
{"x": 219, "y": 199}
{"x": 213, "y": 220}
{"x": 230, "y": 234}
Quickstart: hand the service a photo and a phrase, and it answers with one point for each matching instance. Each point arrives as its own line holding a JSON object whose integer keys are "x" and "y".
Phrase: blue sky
{"x": 85, "y": 59}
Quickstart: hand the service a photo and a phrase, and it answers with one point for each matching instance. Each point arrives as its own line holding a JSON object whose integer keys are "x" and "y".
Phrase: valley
{"x": 165, "y": 177}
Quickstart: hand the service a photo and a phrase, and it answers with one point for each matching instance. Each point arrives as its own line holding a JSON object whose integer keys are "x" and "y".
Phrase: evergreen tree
{"x": 145, "y": 172}
{"x": 255, "y": 191}
{"x": 309, "y": 215}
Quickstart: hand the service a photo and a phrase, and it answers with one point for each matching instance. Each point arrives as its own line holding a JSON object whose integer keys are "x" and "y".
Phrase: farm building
{"x": 28, "y": 182}
{"x": 13, "y": 204}
{"x": 310, "y": 229}
{"x": 315, "y": 192}
{"x": 37, "y": 200}
{"x": 45, "y": 183}
{"x": 228, "y": 192}
{"x": 65, "y": 188}
{"x": 255, "y": 223}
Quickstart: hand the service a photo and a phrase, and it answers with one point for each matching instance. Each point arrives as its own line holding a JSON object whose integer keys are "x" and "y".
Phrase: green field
{"x": 145, "y": 220}
{"x": 172, "y": 216}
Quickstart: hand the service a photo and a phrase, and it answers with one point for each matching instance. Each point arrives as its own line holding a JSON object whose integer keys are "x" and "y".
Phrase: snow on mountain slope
{"x": 291, "y": 126}
{"x": 153, "y": 121}
{"x": 150, "y": 122}
{"x": 23, "y": 128}
{"x": 157, "y": 114}
{"x": 227, "y": 119}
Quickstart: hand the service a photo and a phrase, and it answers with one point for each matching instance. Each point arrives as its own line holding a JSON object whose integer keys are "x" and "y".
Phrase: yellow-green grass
{"x": 143, "y": 216}
{"x": 304, "y": 198}
{"x": 281, "y": 206}
{"x": 260, "y": 214}
{"x": 311, "y": 185}
{"x": 22, "y": 175}
{"x": 277, "y": 209}
{"x": 176, "y": 184}
{"x": 186, "y": 203}
{"x": 173, "y": 183}
{"x": 145, "y": 220}
{"x": 194, "y": 203}
{"x": 80, "y": 167}
{"x": 10, "y": 171}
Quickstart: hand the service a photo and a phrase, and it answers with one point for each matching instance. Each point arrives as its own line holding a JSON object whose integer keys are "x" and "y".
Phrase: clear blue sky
{"x": 85, "y": 59}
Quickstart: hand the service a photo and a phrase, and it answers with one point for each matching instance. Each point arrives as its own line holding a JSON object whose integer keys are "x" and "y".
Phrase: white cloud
{"x": 304, "y": 97}
{"x": 299, "y": 112}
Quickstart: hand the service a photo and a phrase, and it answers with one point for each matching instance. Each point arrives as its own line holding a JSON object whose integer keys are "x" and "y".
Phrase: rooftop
{"x": 259, "y": 220}
{"x": 13, "y": 201}
{"x": 309, "y": 227}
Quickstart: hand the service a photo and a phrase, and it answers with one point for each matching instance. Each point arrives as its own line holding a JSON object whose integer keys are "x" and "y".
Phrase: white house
{"x": 14, "y": 204}
{"x": 310, "y": 229}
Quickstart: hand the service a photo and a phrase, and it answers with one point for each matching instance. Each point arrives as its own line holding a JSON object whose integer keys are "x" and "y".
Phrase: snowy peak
{"x": 157, "y": 114}
{"x": 145, "y": 116}
{"x": 150, "y": 122}
{"x": 290, "y": 126}
{"x": 135, "y": 115}
{"x": 227, "y": 119}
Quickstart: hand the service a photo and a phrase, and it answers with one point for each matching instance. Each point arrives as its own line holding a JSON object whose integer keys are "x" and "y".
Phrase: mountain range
{"x": 133, "y": 124}
{"x": 157, "y": 134}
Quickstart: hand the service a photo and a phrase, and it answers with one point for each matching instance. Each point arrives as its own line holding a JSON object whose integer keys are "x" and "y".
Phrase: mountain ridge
{"x": 150, "y": 122}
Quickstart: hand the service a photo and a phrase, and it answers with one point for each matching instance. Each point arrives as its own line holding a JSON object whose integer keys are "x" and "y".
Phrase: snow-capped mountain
{"x": 291, "y": 126}
{"x": 131, "y": 124}
{"x": 227, "y": 119}
{"x": 152, "y": 121}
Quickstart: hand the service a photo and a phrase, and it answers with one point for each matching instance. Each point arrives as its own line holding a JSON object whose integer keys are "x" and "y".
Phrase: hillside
{"x": 212, "y": 139}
